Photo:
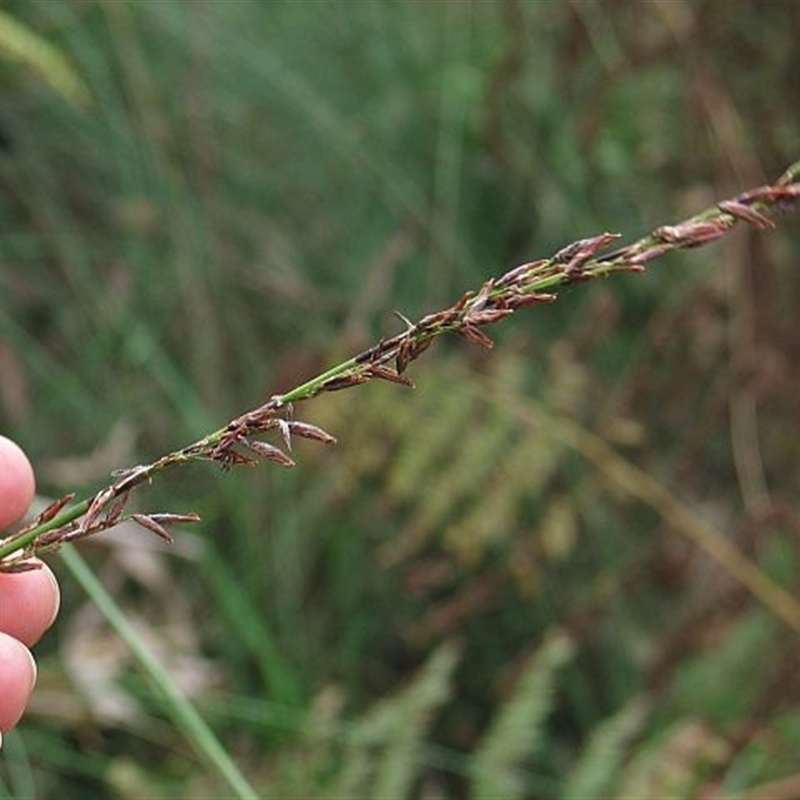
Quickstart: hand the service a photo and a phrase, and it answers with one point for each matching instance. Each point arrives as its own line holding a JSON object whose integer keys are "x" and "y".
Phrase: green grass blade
{"x": 22, "y": 45}
{"x": 182, "y": 712}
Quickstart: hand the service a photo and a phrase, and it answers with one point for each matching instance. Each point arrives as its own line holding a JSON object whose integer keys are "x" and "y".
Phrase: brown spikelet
{"x": 744, "y": 212}
{"x": 486, "y": 316}
{"x": 476, "y": 335}
{"x": 169, "y": 518}
{"x": 308, "y": 431}
{"x": 387, "y": 374}
{"x": 147, "y": 521}
{"x": 344, "y": 382}
{"x": 689, "y": 234}
{"x": 520, "y": 299}
{"x": 22, "y": 565}
{"x": 50, "y": 512}
{"x": 269, "y": 451}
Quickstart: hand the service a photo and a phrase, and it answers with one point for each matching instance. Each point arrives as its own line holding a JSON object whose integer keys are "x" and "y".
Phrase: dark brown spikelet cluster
{"x": 241, "y": 441}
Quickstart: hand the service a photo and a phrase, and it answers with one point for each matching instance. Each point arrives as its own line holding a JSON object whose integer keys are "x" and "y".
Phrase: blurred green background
{"x": 495, "y": 585}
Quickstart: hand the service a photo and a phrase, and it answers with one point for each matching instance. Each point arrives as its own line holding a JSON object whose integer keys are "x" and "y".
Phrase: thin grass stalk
{"x": 176, "y": 705}
{"x": 528, "y": 284}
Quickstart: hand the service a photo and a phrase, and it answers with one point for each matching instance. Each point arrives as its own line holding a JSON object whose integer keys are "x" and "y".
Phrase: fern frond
{"x": 601, "y": 759}
{"x": 395, "y": 729}
{"x": 446, "y": 412}
{"x": 518, "y": 729}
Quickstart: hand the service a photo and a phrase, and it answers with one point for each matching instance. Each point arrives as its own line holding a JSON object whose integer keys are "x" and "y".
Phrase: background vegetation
{"x": 205, "y": 202}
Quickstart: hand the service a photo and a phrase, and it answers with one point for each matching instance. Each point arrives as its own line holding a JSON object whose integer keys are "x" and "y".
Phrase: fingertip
{"x": 29, "y": 602}
{"x": 17, "y": 679}
{"x": 17, "y": 482}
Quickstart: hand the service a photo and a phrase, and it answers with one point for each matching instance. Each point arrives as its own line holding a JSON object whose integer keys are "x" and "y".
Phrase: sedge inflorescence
{"x": 240, "y": 441}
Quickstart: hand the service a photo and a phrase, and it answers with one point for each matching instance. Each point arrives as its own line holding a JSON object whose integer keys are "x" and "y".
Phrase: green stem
{"x": 312, "y": 387}
{"x": 21, "y": 541}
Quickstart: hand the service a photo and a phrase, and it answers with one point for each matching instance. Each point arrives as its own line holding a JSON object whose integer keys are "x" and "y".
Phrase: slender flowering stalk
{"x": 239, "y": 442}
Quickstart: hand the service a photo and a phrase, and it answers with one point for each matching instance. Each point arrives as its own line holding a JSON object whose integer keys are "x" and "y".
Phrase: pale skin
{"x": 28, "y": 600}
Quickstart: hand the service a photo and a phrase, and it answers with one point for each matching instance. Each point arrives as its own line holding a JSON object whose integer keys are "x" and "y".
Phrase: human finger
{"x": 17, "y": 677}
{"x": 28, "y": 603}
{"x": 17, "y": 483}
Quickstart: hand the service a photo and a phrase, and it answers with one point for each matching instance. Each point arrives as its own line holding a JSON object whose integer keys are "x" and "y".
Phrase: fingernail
{"x": 34, "y": 669}
{"x": 57, "y": 590}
